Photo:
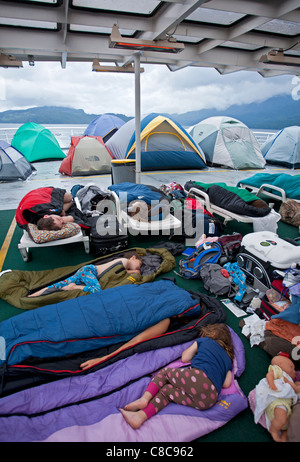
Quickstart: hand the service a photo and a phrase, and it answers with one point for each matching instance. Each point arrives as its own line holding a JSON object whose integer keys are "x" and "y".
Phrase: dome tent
{"x": 104, "y": 125}
{"x": 37, "y": 143}
{"x": 13, "y": 165}
{"x": 283, "y": 148}
{"x": 164, "y": 144}
{"x": 87, "y": 155}
{"x": 228, "y": 142}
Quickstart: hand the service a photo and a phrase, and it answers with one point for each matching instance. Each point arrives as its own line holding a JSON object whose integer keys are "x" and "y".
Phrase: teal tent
{"x": 37, "y": 143}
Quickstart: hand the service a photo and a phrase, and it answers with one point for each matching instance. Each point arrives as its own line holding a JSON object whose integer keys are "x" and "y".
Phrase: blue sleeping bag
{"x": 94, "y": 321}
{"x": 128, "y": 192}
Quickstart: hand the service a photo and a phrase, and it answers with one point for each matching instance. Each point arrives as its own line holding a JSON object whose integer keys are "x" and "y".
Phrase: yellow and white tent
{"x": 165, "y": 144}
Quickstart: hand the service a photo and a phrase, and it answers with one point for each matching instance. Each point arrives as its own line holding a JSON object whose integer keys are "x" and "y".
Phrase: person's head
{"x": 50, "y": 223}
{"x": 134, "y": 261}
{"x": 221, "y": 334}
{"x": 285, "y": 364}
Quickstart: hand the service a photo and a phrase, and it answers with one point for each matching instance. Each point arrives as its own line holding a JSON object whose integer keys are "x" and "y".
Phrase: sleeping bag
{"x": 232, "y": 202}
{"x": 128, "y": 192}
{"x": 45, "y": 201}
{"x": 15, "y": 285}
{"x": 86, "y": 408}
{"x": 51, "y": 342}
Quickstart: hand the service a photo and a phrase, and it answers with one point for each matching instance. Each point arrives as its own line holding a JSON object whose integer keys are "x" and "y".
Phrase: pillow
{"x": 40, "y": 236}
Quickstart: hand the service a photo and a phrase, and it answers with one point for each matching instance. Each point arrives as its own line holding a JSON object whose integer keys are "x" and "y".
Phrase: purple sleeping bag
{"x": 86, "y": 408}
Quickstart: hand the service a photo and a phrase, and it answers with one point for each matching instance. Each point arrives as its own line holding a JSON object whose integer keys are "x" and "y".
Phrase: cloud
{"x": 47, "y": 84}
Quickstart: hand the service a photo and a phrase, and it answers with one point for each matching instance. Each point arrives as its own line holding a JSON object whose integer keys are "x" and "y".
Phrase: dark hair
{"x": 132, "y": 253}
{"x": 47, "y": 224}
{"x": 221, "y": 334}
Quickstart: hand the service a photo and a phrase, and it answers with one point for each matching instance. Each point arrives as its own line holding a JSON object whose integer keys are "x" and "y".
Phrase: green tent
{"x": 37, "y": 143}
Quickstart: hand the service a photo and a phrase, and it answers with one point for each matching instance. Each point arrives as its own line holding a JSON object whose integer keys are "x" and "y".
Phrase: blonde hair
{"x": 221, "y": 334}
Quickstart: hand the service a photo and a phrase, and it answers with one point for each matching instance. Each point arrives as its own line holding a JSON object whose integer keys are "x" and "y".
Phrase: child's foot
{"x": 134, "y": 419}
{"x": 140, "y": 403}
{"x": 280, "y": 437}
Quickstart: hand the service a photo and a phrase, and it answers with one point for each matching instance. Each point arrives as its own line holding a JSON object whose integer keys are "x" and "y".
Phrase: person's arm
{"x": 73, "y": 286}
{"x": 228, "y": 380}
{"x": 68, "y": 218}
{"x": 270, "y": 380}
{"x": 153, "y": 331}
{"x": 189, "y": 353}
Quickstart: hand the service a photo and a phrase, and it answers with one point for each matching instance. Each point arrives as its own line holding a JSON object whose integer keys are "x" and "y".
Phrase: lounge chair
{"x": 279, "y": 186}
{"x": 267, "y": 221}
{"x": 26, "y": 243}
{"x": 161, "y": 223}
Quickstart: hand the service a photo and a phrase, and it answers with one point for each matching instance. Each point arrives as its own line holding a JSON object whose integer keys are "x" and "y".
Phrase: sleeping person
{"x": 87, "y": 277}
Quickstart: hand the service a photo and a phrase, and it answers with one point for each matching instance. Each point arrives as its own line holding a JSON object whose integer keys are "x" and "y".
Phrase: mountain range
{"x": 274, "y": 113}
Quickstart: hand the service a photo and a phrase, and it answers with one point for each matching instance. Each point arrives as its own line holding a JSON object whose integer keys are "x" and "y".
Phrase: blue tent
{"x": 13, "y": 165}
{"x": 104, "y": 125}
{"x": 283, "y": 148}
{"x": 165, "y": 144}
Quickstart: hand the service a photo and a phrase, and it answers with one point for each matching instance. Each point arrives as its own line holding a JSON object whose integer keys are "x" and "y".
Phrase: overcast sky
{"x": 47, "y": 84}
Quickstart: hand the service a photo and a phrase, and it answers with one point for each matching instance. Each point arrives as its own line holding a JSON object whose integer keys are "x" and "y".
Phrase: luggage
{"x": 209, "y": 252}
{"x": 275, "y": 299}
{"x": 264, "y": 252}
{"x": 107, "y": 236}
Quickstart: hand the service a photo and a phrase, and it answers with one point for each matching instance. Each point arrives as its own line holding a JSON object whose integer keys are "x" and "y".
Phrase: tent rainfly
{"x": 37, "y": 143}
{"x": 283, "y": 148}
{"x": 105, "y": 126}
{"x": 228, "y": 142}
{"x": 13, "y": 165}
{"x": 165, "y": 144}
{"x": 87, "y": 155}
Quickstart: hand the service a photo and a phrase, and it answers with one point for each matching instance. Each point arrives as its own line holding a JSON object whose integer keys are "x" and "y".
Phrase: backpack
{"x": 216, "y": 281}
{"x": 208, "y": 252}
{"x": 231, "y": 244}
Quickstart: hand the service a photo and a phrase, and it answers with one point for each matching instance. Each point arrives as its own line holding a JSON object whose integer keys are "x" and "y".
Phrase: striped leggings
{"x": 187, "y": 386}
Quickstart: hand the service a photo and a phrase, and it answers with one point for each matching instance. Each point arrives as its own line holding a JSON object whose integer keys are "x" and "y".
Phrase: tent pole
{"x": 137, "y": 118}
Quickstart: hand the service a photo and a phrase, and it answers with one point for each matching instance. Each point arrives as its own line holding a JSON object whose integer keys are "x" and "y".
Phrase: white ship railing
{"x": 63, "y": 134}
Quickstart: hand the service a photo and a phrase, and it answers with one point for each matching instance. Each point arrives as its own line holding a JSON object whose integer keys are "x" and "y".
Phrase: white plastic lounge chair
{"x": 135, "y": 227}
{"x": 267, "y": 190}
{"x": 259, "y": 223}
{"x": 203, "y": 197}
{"x": 26, "y": 243}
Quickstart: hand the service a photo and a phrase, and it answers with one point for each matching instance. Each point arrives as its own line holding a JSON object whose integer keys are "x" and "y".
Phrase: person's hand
{"x": 89, "y": 363}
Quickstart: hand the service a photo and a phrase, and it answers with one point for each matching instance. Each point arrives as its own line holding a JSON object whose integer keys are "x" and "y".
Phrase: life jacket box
{"x": 107, "y": 236}
{"x": 264, "y": 252}
{"x": 275, "y": 300}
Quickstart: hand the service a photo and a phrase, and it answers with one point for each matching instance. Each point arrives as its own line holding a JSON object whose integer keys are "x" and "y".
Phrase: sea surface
{"x": 63, "y": 133}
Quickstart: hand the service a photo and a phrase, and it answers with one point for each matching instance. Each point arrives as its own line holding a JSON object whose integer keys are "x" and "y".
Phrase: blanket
{"x": 52, "y": 341}
{"x": 289, "y": 183}
{"x": 230, "y": 201}
{"x": 15, "y": 285}
{"x": 86, "y": 408}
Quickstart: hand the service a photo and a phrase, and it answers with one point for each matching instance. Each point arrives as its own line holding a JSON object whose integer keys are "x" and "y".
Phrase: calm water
{"x": 63, "y": 133}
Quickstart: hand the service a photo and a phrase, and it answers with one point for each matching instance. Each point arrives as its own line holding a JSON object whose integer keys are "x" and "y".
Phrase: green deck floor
{"x": 240, "y": 429}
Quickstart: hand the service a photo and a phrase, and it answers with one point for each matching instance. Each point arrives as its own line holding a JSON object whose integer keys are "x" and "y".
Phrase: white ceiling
{"x": 228, "y": 35}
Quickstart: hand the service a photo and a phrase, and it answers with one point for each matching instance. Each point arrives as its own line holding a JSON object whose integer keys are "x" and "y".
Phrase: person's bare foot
{"x": 280, "y": 437}
{"x": 134, "y": 419}
{"x": 136, "y": 405}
